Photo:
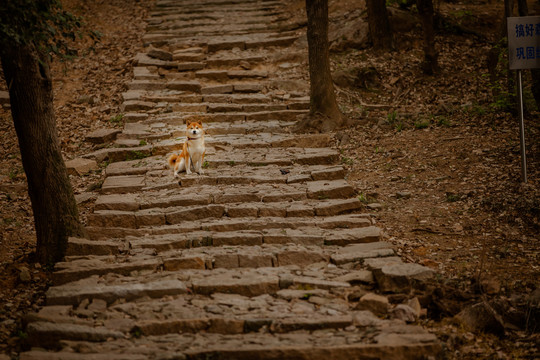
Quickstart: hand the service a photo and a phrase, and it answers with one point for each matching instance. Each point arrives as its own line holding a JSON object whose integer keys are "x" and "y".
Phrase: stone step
{"x": 213, "y": 138}
{"x": 188, "y": 86}
{"x": 272, "y": 247}
{"x": 160, "y": 131}
{"x": 272, "y": 236}
{"x": 221, "y": 205}
{"x": 220, "y": 108}
{"x": 232, "y": 174}
{"x": 221, "y": 156}
{"x": 145, "y": 179}
{"x": 219, "y": 94}
{"x": 214, "y": 9}
{"x": 231, "y": 60}
{"x": 192, "y": 20}
{"x": 155, "y": 130}
{"x": 218, "y": 313}
{"x": 234, "y": 93}
{"x": 237, "y": 205}
{"x": 251, "y": 255}
{"x": 260, "y": 191}
{"x": 96, "y": 277}
{"x": 216, "y": 144}
{"x": 224, "y": 75}
{"x": 210, "y": 28}
{"x": 199, "y": 111}
{"x": 346, "y": 222}
{"x": 383, "y": 340}
{"x": 188, "y": 318}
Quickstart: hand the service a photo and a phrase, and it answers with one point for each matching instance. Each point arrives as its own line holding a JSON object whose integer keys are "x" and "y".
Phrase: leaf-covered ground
{"x": 434, "y": 157}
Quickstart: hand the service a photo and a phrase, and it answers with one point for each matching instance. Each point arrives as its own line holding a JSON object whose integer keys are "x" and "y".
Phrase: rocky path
{"x": 268, "y": 255}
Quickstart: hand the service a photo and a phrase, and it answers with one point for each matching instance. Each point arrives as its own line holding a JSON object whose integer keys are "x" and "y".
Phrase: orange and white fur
{"x": 193, "y": 150}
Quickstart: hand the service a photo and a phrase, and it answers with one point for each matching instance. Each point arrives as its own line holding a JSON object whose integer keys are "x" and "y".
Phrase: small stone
{"x": 4, "y": 98}
{"x": 80, "y": 166}
{"x": 24, "y": 274}
{"x": 374, "y": 206}
{"x": 403, "y": 195}
{"x": 244, "y": 64}
{"x": 481, "y": 317}
{"x": 377, "y": 304}
{"x": 405, "y": 313}
{"x": 98, "y": 305}
{"x": 102, "y": 136}
{"x": 359, "y": 276}
{"x": 414, "y": 303}
{"x": 86, "y": 99}
{"x": 357, "y": 294}
{"x": 490, "y": 285}
{"x": 159, "y": 54}
{"x": 401, "y": 277}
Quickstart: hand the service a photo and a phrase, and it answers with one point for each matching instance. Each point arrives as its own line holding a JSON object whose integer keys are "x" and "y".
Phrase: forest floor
{"x": 436, "y": 158}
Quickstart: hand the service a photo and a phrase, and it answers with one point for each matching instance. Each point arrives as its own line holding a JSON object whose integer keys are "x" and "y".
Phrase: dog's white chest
{"x": 196, "y": 148}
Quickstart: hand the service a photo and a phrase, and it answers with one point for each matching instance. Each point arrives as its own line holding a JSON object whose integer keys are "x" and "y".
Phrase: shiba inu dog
{"x": 193, "y": 150}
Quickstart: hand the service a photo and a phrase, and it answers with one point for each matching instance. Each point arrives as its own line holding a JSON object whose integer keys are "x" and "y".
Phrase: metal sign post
{"x": 521, "y": 129}
{"x": 523, "y": 53}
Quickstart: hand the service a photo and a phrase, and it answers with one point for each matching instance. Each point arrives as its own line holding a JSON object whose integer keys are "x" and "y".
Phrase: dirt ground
{"x": 434, "y": 157}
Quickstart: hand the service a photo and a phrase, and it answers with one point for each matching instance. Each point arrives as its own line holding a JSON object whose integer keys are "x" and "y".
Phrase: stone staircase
{"x": 268, "y": 255}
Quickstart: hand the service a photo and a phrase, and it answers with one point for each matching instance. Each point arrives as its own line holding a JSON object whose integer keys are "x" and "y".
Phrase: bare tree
{"x": 26, "y": 69}
{"x": 324, "y": 112}
{"x": 379, "y": 25}
{"x": 425, "y": 9}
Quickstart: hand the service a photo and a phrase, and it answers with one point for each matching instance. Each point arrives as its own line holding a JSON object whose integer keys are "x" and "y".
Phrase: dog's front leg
{"x": 188, "y": 165}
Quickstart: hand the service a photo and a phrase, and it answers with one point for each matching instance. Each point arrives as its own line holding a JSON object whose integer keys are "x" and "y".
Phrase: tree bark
{"x": 379, "y": 25}
{"x": 324, "y": 112}
{"x": 55, "y": 210}
{"x": 523, "y": 10}
{"x": 430, "y": 64}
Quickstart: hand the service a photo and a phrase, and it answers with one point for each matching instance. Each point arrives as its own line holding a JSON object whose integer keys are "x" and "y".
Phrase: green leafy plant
{"x": 205, "y": 165}
{"x": 143, "y": 143}
{"x": 22, "y": 334}
{"x": 116, "y": 119}
{"x": 134, "y": 155}
{"x": 13, "y": 174}
{"x": 45, "y": 24}
{"x": 363, "y": 198}
{"x": 347, "y": 161}
{"x": 392, "y": 117}
{"x": 442, "y": 121}
{"x": 95, "y": 186}
{"x": 421, "y": 124}
{"x": 140, "y": 164}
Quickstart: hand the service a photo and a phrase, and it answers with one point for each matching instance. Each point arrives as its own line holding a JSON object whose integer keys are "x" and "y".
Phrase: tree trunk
{"x": 324, "y": 112}
{"x": 425, "y": 9}
{"x": 55, "y": 210}
{"x": 523, "y": 10}
{"x": 379, "y": 25}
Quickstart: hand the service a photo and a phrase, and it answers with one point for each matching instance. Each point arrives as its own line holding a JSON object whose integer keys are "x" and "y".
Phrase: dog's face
{"x": 194, "y": 129}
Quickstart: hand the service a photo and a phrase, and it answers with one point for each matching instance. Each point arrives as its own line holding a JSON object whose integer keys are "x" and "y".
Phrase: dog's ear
{"x": 199, "y": 121}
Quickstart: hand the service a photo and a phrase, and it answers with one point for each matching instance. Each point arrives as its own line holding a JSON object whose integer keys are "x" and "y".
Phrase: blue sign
{"x": 524, "y": 42}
